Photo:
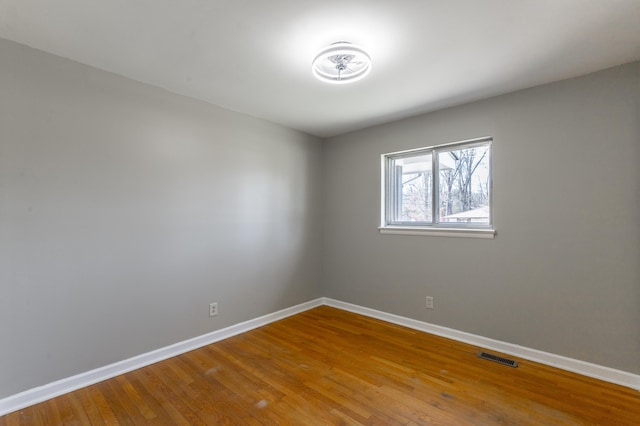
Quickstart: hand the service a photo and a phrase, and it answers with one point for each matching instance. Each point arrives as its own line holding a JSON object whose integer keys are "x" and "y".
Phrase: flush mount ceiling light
{"x": 341, "y": 63}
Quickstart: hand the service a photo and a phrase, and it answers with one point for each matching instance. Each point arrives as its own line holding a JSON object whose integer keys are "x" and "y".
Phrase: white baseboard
{"x": 606, "y": 374}
{"x": 60, "y": 387}
{"x": 69, "y": 384}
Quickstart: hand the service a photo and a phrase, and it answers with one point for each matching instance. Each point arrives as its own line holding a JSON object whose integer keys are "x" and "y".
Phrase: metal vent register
{"x": 500, "y": 360}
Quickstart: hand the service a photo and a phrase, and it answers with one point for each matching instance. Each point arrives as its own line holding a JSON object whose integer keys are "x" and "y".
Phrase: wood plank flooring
{"x": 330, "y": 367}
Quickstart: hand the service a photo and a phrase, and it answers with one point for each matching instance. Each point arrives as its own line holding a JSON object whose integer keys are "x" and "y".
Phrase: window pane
{"x": 414, "y": 188}
{"x": 464, "y": 183}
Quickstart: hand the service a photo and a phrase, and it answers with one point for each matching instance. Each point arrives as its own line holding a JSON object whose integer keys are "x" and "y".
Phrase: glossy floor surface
{"x": 331, "y": 367}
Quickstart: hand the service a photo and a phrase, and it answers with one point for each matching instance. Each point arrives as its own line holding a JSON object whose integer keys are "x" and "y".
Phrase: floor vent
{"x": 498, "y": 359}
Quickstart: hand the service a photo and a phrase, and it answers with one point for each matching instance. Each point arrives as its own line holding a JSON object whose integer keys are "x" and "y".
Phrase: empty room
{"x": 357, "y": 212}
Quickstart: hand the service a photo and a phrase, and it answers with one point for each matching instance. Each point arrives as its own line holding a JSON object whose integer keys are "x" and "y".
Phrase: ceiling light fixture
{"x": 341, "y": 63}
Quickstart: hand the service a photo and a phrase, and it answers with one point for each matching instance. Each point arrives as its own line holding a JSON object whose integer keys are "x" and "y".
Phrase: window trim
{"x": 433, "y": 231}
{"x": 482, "y": 230}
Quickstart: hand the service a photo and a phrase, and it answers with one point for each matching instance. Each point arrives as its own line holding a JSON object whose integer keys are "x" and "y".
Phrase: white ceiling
{"x": 255, "y": 56}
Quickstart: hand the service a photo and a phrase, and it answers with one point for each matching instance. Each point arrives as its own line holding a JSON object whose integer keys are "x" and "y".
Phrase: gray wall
{"x": 125, "y": 210}
{"x": 562, "y": 274}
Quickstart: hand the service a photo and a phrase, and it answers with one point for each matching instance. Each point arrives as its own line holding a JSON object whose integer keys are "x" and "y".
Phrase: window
{"x": 439, "y": 190}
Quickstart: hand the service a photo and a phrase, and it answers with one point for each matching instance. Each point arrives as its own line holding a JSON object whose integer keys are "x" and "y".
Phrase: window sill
{"x": 439, "y": 232}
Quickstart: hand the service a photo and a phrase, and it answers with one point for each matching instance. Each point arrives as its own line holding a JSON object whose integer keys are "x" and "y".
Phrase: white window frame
{"x": 434, "y": 228}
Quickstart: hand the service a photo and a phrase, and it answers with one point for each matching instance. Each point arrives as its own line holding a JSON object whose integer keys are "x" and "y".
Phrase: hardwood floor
{"x": 330, "y": 367}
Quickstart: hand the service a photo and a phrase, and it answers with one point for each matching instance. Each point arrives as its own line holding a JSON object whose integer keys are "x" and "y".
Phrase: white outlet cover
{"x": 429, "y": 302}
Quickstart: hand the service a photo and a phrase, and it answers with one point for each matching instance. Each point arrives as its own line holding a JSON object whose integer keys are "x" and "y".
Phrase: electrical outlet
{"x": 213, "y": 309}
{"x": 429, "y": 302}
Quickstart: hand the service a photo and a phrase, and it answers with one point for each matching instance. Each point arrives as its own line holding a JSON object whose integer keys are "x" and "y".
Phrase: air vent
{"x": 498, "y": 359}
